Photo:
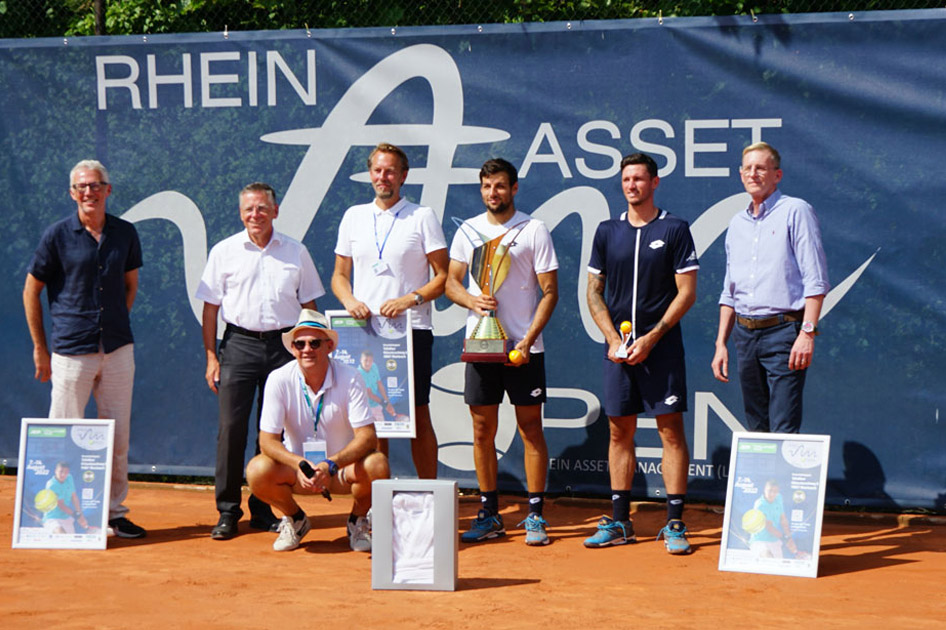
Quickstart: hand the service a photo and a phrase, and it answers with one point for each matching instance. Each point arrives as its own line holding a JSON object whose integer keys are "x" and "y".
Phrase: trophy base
{"x": 486, "y": 350}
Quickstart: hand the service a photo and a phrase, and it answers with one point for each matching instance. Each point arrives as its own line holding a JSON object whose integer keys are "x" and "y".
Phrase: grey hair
{"x": 259, "y": 187}
{"x": 89, "y": 165}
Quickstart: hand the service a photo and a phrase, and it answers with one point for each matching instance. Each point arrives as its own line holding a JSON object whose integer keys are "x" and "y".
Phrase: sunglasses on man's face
{"x": 314, "y": 343}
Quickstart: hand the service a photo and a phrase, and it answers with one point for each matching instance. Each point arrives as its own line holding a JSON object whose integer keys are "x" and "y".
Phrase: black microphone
{"x": 309, "y": 472}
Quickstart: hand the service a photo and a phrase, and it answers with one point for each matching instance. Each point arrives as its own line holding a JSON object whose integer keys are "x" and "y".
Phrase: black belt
{"x": 266, "y": 334}
{"x": 768, "y": 322}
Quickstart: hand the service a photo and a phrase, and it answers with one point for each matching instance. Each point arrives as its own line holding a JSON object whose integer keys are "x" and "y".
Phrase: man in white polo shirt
{"x": 390, "y": 247}
{"x": 258, "y": 280}
{"x": 309, "y": 399}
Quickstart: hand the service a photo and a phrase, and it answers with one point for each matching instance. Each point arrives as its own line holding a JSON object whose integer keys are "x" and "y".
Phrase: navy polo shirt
{"x": 640, "y": 265}
{"x": 85, "y": 283}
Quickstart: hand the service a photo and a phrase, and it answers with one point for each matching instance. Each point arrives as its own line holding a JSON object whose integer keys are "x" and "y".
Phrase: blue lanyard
{"x": 380, "y": 246}
{"x": 317, "y": 412}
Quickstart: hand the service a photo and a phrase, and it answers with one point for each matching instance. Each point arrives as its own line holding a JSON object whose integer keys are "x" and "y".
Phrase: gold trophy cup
{"x": 488, "y": 343}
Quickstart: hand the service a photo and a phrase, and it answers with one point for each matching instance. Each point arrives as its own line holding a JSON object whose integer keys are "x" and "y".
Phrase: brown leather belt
{"x": 768, "y": 322}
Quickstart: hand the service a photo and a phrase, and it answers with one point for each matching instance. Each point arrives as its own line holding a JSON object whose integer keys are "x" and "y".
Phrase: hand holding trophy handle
{"x": 485, "y": 305}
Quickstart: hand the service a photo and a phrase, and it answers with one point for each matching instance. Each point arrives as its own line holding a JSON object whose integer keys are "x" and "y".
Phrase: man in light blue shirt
{"x": 776, "y": 280}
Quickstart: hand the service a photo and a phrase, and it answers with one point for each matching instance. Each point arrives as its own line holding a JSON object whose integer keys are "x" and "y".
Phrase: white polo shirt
{"x": 344, "y": 407}
{"x": 259, "y": 289}
{"x": 389, "y": 251}
{"x": 530, "y": 252}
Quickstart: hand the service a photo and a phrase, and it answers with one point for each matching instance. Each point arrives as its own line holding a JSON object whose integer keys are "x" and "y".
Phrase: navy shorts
{"x": 423, "y": 341}
{"x": 655, "y": 387}
{"x": 525, "y": 384}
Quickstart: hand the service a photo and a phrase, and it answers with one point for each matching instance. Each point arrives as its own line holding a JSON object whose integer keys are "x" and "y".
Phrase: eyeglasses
{"x": 91, "y": 186}
{"x": 314, "y": 343}
{"x": 762, "y": 171}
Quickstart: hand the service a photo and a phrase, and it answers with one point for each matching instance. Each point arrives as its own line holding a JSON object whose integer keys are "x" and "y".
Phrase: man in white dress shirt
{"x": 257, "y": 280}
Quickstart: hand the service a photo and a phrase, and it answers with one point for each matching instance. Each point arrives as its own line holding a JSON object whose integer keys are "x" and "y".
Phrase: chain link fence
{"x": 56, "y": 18}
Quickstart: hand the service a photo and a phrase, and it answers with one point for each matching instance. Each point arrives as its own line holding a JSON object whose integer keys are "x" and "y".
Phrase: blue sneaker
{"x": 484, "y": 527}
{"x": 612, "y": 533}
{"x": 535, "y": 530}
{"x": 675, "y": 537}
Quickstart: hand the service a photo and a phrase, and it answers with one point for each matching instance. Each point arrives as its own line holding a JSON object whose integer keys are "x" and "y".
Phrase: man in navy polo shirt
{"x": 88, "y": 263}
{"x": 648, "y": 261}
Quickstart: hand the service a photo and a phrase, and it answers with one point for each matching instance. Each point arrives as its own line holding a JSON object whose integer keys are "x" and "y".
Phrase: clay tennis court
{"x": 874, "y": 572}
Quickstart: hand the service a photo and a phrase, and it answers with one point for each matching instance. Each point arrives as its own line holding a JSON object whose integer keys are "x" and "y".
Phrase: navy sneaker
{"x": 123, "y": 528}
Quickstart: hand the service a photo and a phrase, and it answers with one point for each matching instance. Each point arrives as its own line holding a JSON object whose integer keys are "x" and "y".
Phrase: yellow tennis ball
{"x": 45, "y": 500}
{"x": 753, "y": 521}
{"x": 625, "y": 327}
{"x": 516, "y": 357}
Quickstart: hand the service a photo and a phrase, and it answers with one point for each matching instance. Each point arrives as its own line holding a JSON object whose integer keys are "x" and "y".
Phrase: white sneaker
{"x": 290, "y": 533}
{"x": 359, "y": 534}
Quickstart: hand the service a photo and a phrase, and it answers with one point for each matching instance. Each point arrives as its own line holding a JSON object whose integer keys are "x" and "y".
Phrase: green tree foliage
{"x": 53, "y": 18}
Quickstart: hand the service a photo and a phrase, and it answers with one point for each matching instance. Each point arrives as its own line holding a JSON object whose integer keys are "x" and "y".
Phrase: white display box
{"x": 414, "y": 539}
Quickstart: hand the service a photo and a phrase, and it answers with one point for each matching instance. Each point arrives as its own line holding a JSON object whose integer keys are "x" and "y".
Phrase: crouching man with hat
{"x": 310, "y": 400}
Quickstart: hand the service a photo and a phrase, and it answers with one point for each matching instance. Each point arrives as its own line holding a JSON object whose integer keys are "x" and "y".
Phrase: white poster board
{"x": 382, "y": 350}
{"x": 775, "y": 503}
{"x": 63, "y": 483}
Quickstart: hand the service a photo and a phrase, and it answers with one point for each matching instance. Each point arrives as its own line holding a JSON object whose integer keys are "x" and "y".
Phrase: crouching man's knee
{"x": 376, "y": 466}
{"x": 260, "y": 474}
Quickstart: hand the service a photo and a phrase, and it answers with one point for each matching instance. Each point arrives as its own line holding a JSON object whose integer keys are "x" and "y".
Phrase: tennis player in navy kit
{"x": 648, "y": 262}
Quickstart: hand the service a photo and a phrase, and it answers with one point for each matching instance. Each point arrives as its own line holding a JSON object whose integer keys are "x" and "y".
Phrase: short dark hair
{"x": 259, "y": 187}
{"x": 640, "y": 158}
{"x": 384, "y": 147}
{"x": 499, "y": 165}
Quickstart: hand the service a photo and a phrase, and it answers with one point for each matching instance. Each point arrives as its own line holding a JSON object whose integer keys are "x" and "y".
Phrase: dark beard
{"x": 500, "y": 209}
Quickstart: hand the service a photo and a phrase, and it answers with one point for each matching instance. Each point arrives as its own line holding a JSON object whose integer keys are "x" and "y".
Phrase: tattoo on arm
{"x": 596, "y": 293}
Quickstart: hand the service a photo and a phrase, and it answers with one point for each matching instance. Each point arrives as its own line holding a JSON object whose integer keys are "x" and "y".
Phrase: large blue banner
{"x": 855, "y": 104}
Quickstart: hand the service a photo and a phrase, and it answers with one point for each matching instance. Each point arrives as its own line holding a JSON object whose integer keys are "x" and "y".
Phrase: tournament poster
{"x": 775, "y": 504}
{"x": 63, "y": 486}
{"x": 381, "y": 349}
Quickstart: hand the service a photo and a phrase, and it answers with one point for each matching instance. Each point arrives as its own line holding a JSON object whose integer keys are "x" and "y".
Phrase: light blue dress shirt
{"x": 774, "y": 260}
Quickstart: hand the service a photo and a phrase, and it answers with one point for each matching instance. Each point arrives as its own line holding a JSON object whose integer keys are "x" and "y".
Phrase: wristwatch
{"x": 418, "y": 299}
{"x": 809, "y": 327}
{"x": 332, "y": 467}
